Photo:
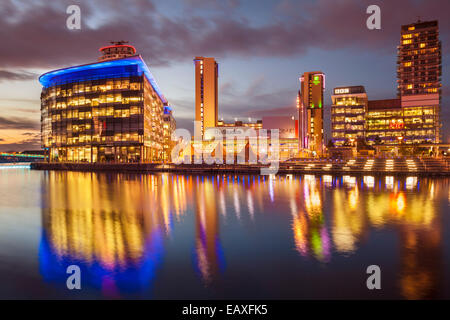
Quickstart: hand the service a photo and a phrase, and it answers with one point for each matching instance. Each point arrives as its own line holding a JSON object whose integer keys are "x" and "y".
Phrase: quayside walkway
{"x": 416, "y": 166}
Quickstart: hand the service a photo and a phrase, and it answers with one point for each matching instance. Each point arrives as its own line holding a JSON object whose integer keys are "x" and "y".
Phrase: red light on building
{"x": 396, "y": 125}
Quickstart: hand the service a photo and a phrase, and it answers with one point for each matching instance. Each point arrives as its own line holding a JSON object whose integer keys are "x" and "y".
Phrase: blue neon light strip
{"x": 106, "y": 69}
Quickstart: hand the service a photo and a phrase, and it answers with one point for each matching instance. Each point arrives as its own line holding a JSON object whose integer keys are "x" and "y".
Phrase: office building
{"x": 169, "y": 126}
{"x": 239, "y": 123}
{"x": 287, "y": 127}
{"x": 111, "y": 110}
{"x": 384, "y": 122}
{"x": 206, "y": 94}
{"x": 348, "y": 114}
{"x": 419, "y": 81}
{"x": 310, "y": 108}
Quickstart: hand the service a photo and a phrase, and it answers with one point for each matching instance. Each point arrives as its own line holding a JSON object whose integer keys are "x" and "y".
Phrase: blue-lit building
{"x": 108, "y": 111}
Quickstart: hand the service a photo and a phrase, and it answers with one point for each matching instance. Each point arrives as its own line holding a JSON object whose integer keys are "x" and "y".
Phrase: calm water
{"x": 175, "y": 236}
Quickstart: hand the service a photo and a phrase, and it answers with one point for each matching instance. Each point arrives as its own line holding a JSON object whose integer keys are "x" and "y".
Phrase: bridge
{"x": 19, "y": 157}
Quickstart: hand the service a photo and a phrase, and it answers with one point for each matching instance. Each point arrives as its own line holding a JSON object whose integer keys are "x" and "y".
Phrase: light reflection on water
{"x": 176, "y": 236}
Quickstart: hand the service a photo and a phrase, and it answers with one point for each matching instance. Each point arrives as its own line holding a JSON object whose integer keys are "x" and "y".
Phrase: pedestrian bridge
{"x": 18, "y": 157}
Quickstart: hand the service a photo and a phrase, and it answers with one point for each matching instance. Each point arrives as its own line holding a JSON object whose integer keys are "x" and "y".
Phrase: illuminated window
{"x": 411, "y": 28}
{"x": 409, "y": 86}
{"x": 407, "y": 64}
{"x": 422, "y": 45}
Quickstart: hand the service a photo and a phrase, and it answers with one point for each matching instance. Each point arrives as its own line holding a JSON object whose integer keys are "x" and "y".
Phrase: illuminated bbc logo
{"x": 341, "y": 90}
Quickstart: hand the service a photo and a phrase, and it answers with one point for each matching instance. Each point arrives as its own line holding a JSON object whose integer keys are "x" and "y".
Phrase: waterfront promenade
{"x": 401, "y": 165}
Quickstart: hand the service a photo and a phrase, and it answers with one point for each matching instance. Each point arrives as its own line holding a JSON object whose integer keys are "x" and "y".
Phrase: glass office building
{"x": 385, "y": 122}
{"x": 348, "y": 114}
{"x": 108, "y": 111}
{"x": 419, "y": 81}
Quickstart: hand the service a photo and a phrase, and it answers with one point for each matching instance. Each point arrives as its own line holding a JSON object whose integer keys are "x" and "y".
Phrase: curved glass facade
{"x": 110, "y": 111}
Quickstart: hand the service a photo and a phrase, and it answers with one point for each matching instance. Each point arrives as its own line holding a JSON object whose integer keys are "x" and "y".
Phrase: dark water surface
{"x": 171, "y": 236}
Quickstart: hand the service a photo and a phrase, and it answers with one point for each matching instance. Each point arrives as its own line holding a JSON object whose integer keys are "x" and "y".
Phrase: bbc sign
{"x": 341, "y": 90}
{"x": 349, "y": 90}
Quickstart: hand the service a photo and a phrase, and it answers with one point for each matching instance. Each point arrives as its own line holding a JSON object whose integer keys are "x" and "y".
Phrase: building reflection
{"x": 115, "y": 227}
{"x": 349, "y": 225}
{"x": 367, "y": 203}
{"x": 209, "y": 258}
{"x": 310, "y": 233}
{"x": 111, "y": 226}
{"x": 421, "y": 250}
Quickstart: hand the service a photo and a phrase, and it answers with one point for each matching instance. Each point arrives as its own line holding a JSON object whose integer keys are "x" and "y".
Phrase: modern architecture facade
{"x": 239, "y": 123}
{"x": 348, "y": 114}
{"x": 169, "y": 126}
{"x": 384, "y": 122}
{"x": 419, "y": 81}
{"x": 287, "y": 127}
{"x": 111, "y": 110}
{"x": 310, "y": 109}
{"x": 206, "y": 94}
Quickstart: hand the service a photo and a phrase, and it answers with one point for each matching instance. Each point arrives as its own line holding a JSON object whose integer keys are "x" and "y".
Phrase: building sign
{"x": 349, "y": 90}
{"x": 341, "y": 90}
{"x": 316, "y": 80}
{"x": 396, "y": 125}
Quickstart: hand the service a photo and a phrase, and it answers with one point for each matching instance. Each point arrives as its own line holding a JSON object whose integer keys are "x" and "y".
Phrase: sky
{"x": 262, "y": 47}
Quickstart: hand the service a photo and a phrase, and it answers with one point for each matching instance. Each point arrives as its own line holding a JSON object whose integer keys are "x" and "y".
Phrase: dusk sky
{"x": 262, "y": 48}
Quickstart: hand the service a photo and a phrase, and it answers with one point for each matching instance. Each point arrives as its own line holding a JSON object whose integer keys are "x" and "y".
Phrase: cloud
{"x": 25, "y": 144}
{"x": 18, "y": 123}
{"x": 20, "y": 75}
{"x": 294, "y": 29}
{"x": 31, "y": 134}
{"x": 256, "y": 86}
{"x": 27, "y": 110}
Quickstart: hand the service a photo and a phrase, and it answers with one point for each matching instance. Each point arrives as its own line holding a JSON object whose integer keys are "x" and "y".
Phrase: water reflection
{"x": 117, "y": 228}
{"x": 90, "y": 221}
{"x": 208, "y": 250}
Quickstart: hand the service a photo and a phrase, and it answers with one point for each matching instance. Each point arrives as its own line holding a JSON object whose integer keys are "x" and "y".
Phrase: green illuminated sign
{"x": 316, "y": 80}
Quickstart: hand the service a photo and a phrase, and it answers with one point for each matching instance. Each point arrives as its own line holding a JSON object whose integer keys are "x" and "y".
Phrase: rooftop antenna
{"x": 418, "y": 18}
{"x": 118, "y": 43}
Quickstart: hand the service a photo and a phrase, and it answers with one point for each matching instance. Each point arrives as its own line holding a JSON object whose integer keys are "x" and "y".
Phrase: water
{"x": 209, "y": 237}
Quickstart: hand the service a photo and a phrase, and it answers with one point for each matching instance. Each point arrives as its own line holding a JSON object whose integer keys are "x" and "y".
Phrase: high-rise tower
{"x": 206, "y": 97}
{"x": 310, "y": 108}
{"x": 419, "y": 80}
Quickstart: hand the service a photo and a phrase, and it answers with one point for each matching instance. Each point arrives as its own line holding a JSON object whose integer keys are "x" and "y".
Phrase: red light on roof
{"x": 118, "y": 45}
